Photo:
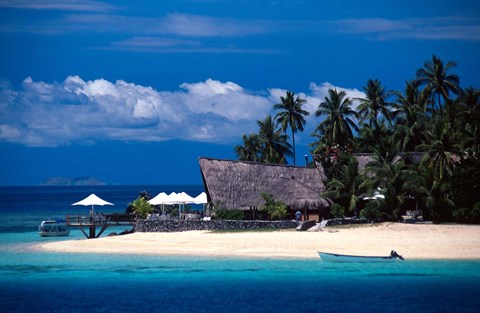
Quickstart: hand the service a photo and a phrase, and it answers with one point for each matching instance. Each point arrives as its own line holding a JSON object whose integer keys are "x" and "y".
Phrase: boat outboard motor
{"x": 394, "y": 254}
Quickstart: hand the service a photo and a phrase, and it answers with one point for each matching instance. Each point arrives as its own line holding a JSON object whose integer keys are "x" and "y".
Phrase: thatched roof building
{"x": 410, "y": 157}
{"x": 365, "y": 158}
{"x": 238, "y": 184}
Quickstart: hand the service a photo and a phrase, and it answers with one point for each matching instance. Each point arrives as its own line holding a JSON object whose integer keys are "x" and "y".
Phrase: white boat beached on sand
{"x": 333, "y": 257}
{"x": 53, "y": 228}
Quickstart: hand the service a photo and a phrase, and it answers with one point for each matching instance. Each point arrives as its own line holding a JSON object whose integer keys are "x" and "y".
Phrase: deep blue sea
{"x": 34, "y": 281}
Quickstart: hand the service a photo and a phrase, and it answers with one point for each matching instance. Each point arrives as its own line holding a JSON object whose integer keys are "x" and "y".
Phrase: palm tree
{"x": 291, "y": 115}
{"x": 368, "y": 136}
{"x": 389, "y": 174}
{"x": 434, "y": 75}
{"x": 375, "y": 103}
{"x": 410, "y": 116}
{"x": 141, "y": 207}
{"x": 470, "y": 99}
{"x": 349, "y": 186}
{"x": 275, "y": 143}
{"x": 338, "y": 125}
{"x": 412, "y": 96}
{"x": 431, "y": 192}
{"x": 251, "y": 148}
{"x": 441, "y": 152}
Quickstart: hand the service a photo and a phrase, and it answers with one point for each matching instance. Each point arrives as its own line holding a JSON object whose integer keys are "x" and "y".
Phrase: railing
{"x": 100, "y": 219}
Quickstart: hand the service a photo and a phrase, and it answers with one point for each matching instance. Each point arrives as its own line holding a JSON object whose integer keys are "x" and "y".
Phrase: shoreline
{"x": 413, "y": 241}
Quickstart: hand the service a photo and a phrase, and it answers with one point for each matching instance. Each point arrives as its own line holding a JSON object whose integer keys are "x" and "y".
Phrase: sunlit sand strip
{"x": 410, "y": 240}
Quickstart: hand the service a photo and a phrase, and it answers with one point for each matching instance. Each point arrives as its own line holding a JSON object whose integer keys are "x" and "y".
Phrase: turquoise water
{"x": 35, "y": 281}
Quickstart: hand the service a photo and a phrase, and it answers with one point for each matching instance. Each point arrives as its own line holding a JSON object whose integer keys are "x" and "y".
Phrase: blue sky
{"x": 135, "y": 92}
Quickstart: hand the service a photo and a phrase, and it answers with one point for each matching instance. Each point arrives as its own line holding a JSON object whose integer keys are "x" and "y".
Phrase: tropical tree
{"x": 470, "y": 138}
{"x": 431, "y": 192}
{"x": 275, "y": 209}
{"x": 410, "y": 116}
{"x": 348, "y": 186}
{"x": 338, "y": 125}
{"x": 434, "y": 75}
{"x": 274, "y": 142}
{"x": 444, "y": 148}
{"x": 368, "y": 136}
{"x": 141, "y": 207}
{"x": 291, "y": 115}
{"x": 388, "y": 173}
{"x": 375, "y": 104}
{"x": 251, "y": 148}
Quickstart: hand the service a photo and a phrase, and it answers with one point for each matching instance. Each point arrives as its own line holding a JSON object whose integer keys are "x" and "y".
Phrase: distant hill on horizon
{"x": 75, "y": 181}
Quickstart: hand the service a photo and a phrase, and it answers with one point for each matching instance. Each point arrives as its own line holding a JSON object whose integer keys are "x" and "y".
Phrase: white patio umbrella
{"x": 92, "y": 200}
{"x": 201, "y": 198}
{"x": 180, "y": 198}
{"x": 162, "y": 198}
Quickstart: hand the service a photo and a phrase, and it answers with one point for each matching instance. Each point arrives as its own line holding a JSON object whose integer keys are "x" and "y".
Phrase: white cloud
{"x": 206, "y": 26}
{"x": 319, "y": 92}
{"x": 429, "y": 28}
{"x": 155, "y": 44}
{"x": 75, "y": 110}
{"x": 177, "y": 25}
{"x": 61, "y": 5}
{"x": 228, "y": 100}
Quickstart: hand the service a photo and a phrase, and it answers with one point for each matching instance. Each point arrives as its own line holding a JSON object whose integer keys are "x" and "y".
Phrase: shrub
{"x": 225, "y": 214}
{"x": 276, "y": 210}
{"x": 141, "y": 207}
{"x": 372, "y": 211}
{"x": 337, "y": 210}
{"x": 467, "y": 215}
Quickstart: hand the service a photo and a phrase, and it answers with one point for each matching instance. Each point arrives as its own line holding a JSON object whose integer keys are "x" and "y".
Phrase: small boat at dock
{"x": 53, "y": 228}
{"x": 333, "y": 257}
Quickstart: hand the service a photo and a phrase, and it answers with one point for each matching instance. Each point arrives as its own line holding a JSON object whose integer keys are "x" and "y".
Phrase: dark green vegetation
{"x": 421, "y": 145}
{"x": 141, "y": 207}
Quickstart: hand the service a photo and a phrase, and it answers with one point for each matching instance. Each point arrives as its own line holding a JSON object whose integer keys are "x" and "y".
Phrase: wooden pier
{"x": 102, "y": 221}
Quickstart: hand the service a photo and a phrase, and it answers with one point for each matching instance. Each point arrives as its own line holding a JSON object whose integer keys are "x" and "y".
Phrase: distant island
{"x": 75, "y": 181}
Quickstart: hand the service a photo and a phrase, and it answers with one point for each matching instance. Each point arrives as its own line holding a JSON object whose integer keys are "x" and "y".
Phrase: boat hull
{"x": 333, "y": 257}
{"x": 54, "y": 234}
{"x": 53, "y": 228}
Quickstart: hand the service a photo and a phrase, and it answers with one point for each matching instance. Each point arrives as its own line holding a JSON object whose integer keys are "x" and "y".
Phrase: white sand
{"x": 413, "y": 241}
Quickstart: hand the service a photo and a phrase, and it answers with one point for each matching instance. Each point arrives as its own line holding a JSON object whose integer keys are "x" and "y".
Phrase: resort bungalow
{"x": 239, "y": 184}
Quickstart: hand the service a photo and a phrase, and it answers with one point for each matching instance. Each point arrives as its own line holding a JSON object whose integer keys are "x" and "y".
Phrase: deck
{"x": 102, "y": 221}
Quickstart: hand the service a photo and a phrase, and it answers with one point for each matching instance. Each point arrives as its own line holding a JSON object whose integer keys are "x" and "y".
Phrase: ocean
{"x": 35, "y": 281}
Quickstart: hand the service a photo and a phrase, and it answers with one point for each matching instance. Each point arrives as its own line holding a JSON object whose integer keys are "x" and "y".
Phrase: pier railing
{"x": 99, "y": 220}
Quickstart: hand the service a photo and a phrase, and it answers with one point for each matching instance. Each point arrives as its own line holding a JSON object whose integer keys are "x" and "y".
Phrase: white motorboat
{"x": 333, "y": 257}
{"x": 53, "y": 228}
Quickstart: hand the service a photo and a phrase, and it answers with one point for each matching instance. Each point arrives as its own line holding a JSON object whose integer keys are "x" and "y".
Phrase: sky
{"x": 135, "y": 92}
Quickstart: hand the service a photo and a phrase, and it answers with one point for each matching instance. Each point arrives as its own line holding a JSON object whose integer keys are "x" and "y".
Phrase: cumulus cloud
{"x": 321, "y": 91}
{"x": 79, "y": 111}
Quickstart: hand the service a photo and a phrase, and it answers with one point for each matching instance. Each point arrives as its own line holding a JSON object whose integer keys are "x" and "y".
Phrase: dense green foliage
{"x": 276, "y": 210}
{"x": 141, "y": 207}
{"x": 224, "y": 214}
{"x": 433, "y": 118}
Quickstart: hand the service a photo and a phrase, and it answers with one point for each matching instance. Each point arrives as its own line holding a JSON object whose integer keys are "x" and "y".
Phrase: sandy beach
{"x": 413, "y": 241}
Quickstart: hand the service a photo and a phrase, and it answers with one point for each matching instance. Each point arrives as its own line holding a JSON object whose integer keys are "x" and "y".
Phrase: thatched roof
{"x": 364, "y": 158}
{"x": 409, "y": 157}
{"x": 238, "y": 184}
